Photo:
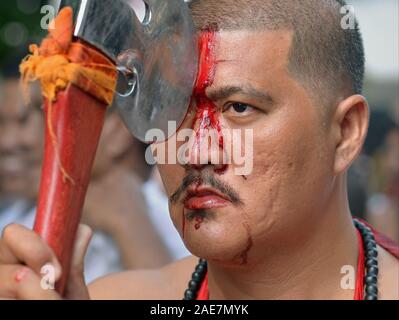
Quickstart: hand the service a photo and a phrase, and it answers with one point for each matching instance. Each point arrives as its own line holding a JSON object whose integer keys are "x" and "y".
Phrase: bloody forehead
{"x": 207, "y": 43}
{"x": 207, "y": 115}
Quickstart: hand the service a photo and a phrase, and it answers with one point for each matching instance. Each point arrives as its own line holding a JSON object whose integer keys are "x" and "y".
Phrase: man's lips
{"x": 201, "y": 197}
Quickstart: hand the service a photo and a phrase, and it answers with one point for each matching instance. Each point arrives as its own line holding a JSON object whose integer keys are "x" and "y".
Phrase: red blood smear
{"x": 206, "y": 114}
{"x": 198, "y": 221}
{"x": 244, "y": 254}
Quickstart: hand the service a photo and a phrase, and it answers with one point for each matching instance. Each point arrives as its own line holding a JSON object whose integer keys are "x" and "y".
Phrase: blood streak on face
{"x": 198, "y": 221}
{"x": 206, "y": 112}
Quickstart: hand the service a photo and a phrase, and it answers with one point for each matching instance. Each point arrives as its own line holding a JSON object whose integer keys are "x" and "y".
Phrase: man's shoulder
{"x": 166, "y": 283}
{"x": 388, "y": 263}
{"x": 388, "y": 275}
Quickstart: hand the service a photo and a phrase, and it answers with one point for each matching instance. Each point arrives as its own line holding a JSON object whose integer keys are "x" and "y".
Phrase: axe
{"x": 153, "y": 47}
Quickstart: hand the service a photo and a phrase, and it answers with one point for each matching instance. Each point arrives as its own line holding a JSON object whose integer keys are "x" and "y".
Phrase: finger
{"x": 21, "y": 245}
{"x": 7, "y": 277}
{"x": 30, "y": 286}
{"x": 83, "y": 237}
{"x": 20, "y": 282}
{"x": 76, "y": 287}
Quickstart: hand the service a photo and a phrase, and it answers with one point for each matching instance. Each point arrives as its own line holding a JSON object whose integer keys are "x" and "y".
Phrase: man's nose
{"x": 207, "y": 151}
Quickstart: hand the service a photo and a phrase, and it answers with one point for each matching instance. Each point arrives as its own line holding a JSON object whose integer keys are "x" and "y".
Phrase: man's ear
{"x": 350, "y": 122}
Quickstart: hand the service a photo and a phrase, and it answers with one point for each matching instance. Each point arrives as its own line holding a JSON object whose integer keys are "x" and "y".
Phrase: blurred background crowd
{"x": 126, "y": 205}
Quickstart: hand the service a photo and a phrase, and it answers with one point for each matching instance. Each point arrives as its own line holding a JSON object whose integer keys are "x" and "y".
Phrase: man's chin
{"x": 213, "y": 240}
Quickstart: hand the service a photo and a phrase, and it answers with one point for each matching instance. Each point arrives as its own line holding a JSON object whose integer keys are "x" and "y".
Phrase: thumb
{"x": 76, "y": 288}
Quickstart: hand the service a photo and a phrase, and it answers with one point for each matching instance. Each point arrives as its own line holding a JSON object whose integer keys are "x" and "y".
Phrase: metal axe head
{"x": 157, "y": 56}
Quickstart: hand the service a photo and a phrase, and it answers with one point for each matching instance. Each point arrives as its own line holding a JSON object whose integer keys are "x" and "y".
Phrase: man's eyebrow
{"x": 225, "y": 92}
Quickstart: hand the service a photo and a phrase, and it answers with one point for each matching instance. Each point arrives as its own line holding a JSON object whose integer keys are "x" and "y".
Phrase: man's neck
{"x": 311, "y": 270}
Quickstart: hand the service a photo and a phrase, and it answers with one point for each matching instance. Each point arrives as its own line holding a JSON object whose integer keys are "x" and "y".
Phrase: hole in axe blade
{"x": 147, "y": 17}
{"x": 142, "y": 10}
{"x": 127, "y": 80}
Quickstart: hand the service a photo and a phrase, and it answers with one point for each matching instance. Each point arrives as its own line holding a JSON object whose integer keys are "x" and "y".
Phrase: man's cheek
{"x": 239, "y": 150}
{"x": 283, "y": 167}
{"x": 274, "y": 165}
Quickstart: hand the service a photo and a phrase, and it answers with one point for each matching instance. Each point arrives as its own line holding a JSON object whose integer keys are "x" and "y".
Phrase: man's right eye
{"x": 239, "y": 109}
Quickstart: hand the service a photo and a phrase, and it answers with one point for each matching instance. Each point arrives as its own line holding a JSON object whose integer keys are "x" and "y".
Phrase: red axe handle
{"x": 76, "y": 119}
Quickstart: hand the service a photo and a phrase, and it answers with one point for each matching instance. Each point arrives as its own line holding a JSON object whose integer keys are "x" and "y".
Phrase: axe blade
{"x": 161, "y": 51}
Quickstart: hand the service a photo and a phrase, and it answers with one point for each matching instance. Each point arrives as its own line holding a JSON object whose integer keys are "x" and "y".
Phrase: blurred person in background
{"x": 21, "y": 144}
{"x": 158, "y": 206}
{"x": 121, "y": 170}
{"x": 383, "y": 201}
{"x": 373, "y": 179}
{"x": 120, "y": 232}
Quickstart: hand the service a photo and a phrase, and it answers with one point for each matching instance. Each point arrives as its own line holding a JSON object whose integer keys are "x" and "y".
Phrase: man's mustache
{"x": 206, "y": 179}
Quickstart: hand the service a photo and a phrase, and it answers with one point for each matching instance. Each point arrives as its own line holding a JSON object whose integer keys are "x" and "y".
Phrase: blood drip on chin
{"x": 243, "y": 256}
{"x": 198, "y": 221}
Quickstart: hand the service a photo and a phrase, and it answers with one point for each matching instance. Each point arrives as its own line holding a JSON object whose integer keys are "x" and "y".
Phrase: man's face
{"x": 293, "y": 156}
{"x": 21, "y": 141}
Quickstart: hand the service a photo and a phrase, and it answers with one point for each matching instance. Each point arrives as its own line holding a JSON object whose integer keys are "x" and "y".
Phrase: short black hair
{"x": 325, "y": 57}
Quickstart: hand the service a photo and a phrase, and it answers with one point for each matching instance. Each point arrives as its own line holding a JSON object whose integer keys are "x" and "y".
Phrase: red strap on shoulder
{"x": 203, "y": 293}
{"x": 359, "y": 286}
{"x": 388, "y": 244}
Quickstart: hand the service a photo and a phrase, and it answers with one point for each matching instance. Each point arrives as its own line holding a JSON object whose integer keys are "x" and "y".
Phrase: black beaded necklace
{"x": 370, "y": 277}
